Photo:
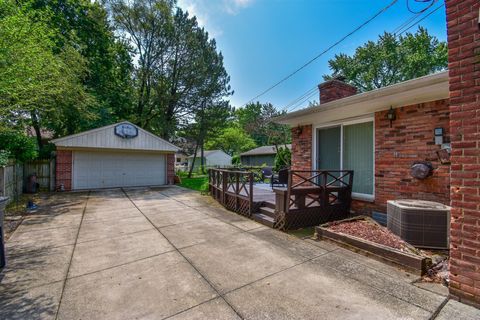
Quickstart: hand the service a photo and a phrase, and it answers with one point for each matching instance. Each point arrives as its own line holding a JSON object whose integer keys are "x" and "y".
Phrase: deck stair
{"x": 265, "y": 216}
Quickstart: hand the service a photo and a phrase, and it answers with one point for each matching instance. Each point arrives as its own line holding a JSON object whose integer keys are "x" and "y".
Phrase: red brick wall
{"x": 334, "y": 90}
{"x": 63, "y": 169}
{"x": 410, "y": 139}
{"x": 464, "y": 71}
{"x": 170, "y": 168}
{"x": 302, "y": 148}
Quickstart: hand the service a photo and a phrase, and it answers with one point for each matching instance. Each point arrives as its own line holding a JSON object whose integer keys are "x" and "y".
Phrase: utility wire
{"x": 405, "y": 23}
{"x": 432, "y": 2}
{"x": 295, "y": 104}
{"x": 425, "y": 17}
{"x": 417, "y": 18}
{"x": 300, "y": 104}
{"x": 321, "y": 53}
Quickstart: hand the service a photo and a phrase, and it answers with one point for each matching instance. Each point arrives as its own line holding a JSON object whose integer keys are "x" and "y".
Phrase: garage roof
{"x": 105, "y": 138}
{"x": 265, "y": 150}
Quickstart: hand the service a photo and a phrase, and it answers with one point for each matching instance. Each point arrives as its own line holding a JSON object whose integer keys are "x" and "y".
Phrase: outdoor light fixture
{"x": 299, "y": 130}
{"x": 438, "y": 133}
{"x": 391, "y": 115}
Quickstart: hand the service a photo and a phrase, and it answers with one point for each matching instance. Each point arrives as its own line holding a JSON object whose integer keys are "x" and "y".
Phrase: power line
{"x": 425, "y": 17}
{"x": 301, "y": 101}
{"x": 321, "y": 53}
{"x": 300, "y": 104}
{"x": 432, "y": 2}
{"x": 405, "y": 23}
{"x": 415, "y": 19}
{"x": 296, "y": 103}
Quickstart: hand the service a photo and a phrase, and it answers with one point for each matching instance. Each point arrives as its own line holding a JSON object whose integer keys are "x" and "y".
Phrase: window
{"x": 348, "y": 147}
{"x": 179, "y": 159}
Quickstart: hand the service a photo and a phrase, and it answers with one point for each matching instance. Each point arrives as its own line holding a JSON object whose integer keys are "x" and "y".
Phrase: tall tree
{"x": 255, "y": 119}
{"x": 391, "y": 60}
{"x": 83, "y": 25}
{"x": 178, "y": 67}
{"x": 37, "y": 79}
{"x": 233, "y": 140}
{"x": 209, "y": 122}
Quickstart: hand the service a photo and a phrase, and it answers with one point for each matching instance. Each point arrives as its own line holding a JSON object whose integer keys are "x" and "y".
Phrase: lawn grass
{"x": 197, "y": 182}
{"x": 303, "y": 233}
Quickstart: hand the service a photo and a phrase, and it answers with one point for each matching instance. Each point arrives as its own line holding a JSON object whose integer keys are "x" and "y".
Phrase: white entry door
{"x": 93, "y": 170}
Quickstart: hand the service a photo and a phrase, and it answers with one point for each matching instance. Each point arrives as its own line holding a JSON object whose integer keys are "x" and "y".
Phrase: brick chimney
{"x": 335, "y": 89}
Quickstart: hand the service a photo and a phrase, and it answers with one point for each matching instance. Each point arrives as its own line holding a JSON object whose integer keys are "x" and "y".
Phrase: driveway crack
{"x": 71, "y": 256}
{"x": 184, "y": 257}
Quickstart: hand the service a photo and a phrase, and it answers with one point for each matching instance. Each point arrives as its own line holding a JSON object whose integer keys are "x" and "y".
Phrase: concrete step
{"x": 267, "y": 211}
{"x": 264, "y": 219}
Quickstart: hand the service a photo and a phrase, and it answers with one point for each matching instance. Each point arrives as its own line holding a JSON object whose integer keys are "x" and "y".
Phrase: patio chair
{"x": 280, "y": 179}
{"x": 267, "y": 173}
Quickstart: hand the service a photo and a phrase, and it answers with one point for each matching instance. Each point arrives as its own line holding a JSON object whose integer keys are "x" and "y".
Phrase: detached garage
{"x": 119, "y": 155}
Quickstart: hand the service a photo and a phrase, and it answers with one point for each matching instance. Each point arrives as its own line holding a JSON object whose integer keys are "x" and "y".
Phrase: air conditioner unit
{"x": 423, "y": 224}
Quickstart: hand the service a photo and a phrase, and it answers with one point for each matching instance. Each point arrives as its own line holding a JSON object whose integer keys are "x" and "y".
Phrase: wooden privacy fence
{"x": 44, "y": 169}
{"x": 233, "y": 189}
{"x": 313, "y": 197}
{"x": 13, "y": 176}
{"x": 11, "y": 181}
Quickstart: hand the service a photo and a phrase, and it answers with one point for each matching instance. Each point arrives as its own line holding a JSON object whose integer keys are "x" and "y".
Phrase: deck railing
{"x": 312, "y": 197}
{"x": 233, "y": 189}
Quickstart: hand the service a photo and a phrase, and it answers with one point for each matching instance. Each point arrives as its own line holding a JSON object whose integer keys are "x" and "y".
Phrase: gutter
{"x": 436, "y": 83}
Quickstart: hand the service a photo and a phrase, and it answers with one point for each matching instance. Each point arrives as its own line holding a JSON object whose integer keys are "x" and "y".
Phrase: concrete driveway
{"x": 172, "y": 253}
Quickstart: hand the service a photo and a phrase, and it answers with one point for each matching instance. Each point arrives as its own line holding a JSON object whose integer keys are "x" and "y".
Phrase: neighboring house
{"x": 212, "y": 158}
{"x": 46, "y": 134}
{"x": 261, "y": 155}
{"x": 181, "y": 160}
{"x": 353, "y": 131}
{"x": 118, "y": 155}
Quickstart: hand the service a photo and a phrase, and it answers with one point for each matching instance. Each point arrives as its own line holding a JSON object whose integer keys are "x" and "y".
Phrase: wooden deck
{"x": 309, "y": 199}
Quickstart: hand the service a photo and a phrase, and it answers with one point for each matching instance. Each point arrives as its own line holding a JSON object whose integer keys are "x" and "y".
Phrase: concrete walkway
{"x": 172, "y": 253}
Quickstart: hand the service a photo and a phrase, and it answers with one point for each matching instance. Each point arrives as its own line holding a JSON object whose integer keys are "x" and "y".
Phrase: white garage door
{"x": 92, "y": 170}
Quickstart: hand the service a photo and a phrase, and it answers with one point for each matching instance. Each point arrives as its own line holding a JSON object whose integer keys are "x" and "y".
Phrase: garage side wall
{"x": 63, "y": 172}
{"x": 170, "y": 168}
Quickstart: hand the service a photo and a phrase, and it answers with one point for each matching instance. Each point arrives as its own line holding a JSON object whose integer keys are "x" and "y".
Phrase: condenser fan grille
{"x": 423, "y": 224}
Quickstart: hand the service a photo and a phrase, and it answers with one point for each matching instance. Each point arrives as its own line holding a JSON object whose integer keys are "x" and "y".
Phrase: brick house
{"x": 352, "y": 131}
{"x": 448, "y": 100}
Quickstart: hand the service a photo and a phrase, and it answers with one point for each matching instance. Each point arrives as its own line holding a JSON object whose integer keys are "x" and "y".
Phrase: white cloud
{"x": 234, "y": 6}
{"x": 205, "y": 9}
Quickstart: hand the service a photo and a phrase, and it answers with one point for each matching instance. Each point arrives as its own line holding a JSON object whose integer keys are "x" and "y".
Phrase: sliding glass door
{"x": 328, "y": 150}
{"x": 358, "y": 155}
{"x": 348, "y": 147}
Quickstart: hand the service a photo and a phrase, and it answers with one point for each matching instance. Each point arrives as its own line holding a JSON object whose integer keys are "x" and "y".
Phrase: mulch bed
{"x": 371, "y": 231}
{"x": 367, "y": 229}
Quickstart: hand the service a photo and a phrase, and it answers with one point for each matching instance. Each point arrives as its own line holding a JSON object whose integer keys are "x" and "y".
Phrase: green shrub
{"x": 236, "y": 160}
{"x": 4, "y": 156}
{"x": 18, "y": 145}
{"x": 283, "y": 158}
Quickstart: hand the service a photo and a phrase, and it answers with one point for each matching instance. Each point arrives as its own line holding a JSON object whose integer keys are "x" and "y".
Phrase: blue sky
{"x": 264, "y": 40}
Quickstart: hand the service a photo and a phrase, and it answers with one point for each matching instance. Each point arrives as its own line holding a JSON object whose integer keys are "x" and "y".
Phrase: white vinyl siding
{"x": 93, "y": 170}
